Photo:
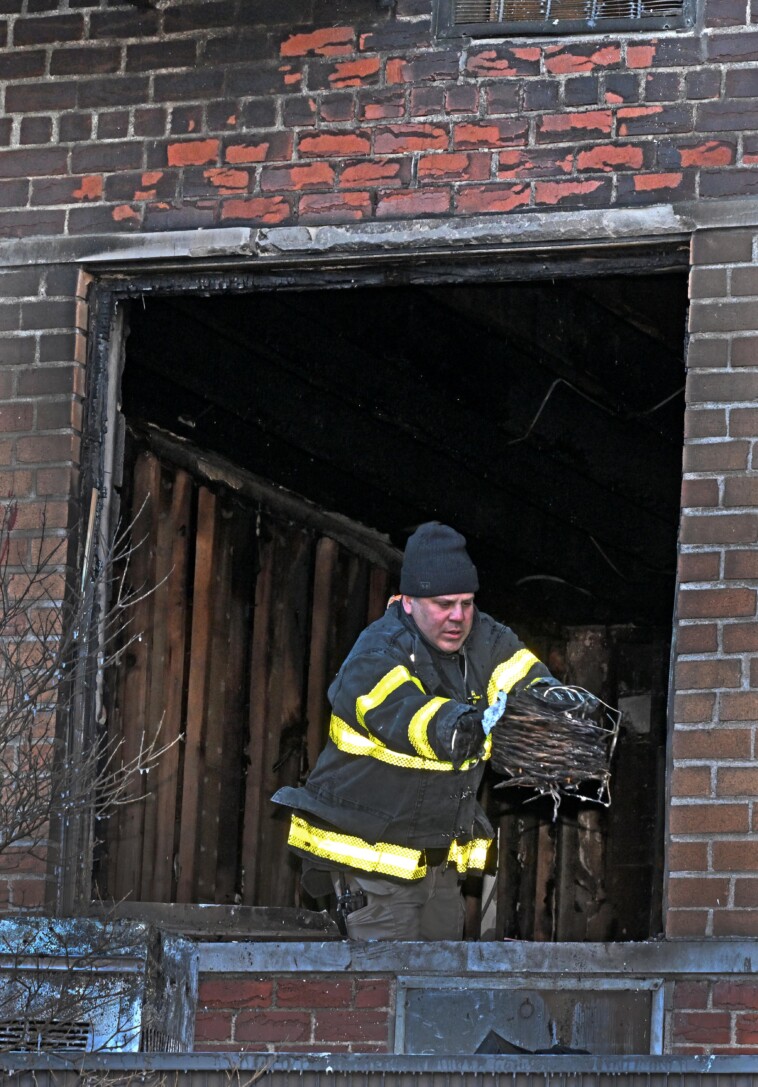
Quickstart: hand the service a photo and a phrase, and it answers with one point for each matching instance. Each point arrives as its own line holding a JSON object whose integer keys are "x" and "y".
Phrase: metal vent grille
{"x": 593, "y": 13}
{"x": 30, "y": 1035}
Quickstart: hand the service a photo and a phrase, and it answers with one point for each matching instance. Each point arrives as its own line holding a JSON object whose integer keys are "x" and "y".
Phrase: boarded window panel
{"x": 252, "y": 615}
{"x": 277, "y": 703}
{"x": 129, "y": 722}
{"x": 167, "y": 696}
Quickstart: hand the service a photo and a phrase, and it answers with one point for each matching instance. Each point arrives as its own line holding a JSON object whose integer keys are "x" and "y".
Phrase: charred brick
{"x": 582, "y": 91}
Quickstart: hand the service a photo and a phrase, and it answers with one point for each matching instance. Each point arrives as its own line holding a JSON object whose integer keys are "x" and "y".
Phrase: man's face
{"x": 444, "y": 620}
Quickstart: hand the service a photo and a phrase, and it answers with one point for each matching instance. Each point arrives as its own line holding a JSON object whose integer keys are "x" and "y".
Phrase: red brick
{"x": 716, "y": 603}
{"x": 740, "y": 565}
{"x": 650, "y": 182}
{"x": 699, "y": 492}
{"x": 741, "y": 706}
{"x": 713, "y": 743}
{"x": 413, "y": 202}
{"x": 411, "y": 137}
{"x": 212, "y": 1027}
{"x": 733, "y": 922}
{"x": 27, "y": 894}
{"x": 735, "y": 856}
{"x": 261, "y": 209}
{"x": 707, "y": 674}
{"x": 265, "y": 147}
{"x": 746, "y": 892}
{"x": 482, "y": 199}
{"x": 744, "y": 353}
{"x": 735, "y": 995}
{"x": 606, "y": 157}
{"x": 709, "y": 819}
{"x": 307, "y": 994}
{"x": 710, "y": 153}
{"x": 235, "y": 992}
{"x": 556, "y": 192}
{"x": 640, "y": 56}
{"x": 746, "y": 1030}
{"x": 16, "y": 416}
{"x": 688, "y": 856}
{"x": 699, "y": 566}
{"x": 329, "y": 42}
{"x": 690, "y": 781}
{"x": 193, "y": 152}
{"x": 364, "y": 1025}
{"x": 736, "y": 528}
{"x": 708, "y": 1028}
{"x": 372, "y": 993}
{"x": 380, "y": 105}
{"x": 737, "y": 781}
{"x": 312, "y": 175}
{"x": 335, "y": 207}
{"x": 691, "y": 994}
{"x": 708, "y": 283}
{"x": 454, "y": 166}
{"x": 534, "y": 162}
{"x": 273, "y": 1026}
{"x": 354, "y": 73}
{"x": 706, "y": 423}
{"x": 683, "y": 923}
{"x": 43, "y": 449}
{"x": 700, "y": 638}
{"x": 740, "y": 637}
{"x": 715, "y": 456}
{"x": 503, "y": 132}
{"x": 334, "y": 144}
{"x": 567, "y": 127}
{"x": 562, "y": 60}
{"x": 698, "y": 891}
{"x": 500, "y": 62}
{"x": 375, "y": 173}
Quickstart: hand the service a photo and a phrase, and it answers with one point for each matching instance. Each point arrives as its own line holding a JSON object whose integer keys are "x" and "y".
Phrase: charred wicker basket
{"x": 556, "y": 751}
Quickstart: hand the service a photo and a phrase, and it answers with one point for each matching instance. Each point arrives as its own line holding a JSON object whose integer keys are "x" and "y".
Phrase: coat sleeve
{"x": 378, "y": 697}
{"x": 513, "y": 667}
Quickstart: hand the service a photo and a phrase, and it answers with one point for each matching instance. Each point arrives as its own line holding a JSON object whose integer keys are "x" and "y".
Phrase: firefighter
{"x": 388, "y": 817}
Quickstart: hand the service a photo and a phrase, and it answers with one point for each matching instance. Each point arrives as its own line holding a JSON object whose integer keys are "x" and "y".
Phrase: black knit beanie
{"x": 436, "y": 563}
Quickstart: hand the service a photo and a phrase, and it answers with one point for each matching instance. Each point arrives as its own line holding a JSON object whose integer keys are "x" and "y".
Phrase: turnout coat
{"x": 405, "y": 755}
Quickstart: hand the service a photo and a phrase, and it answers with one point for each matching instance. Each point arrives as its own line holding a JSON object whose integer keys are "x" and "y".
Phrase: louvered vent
{"x": 27, "y": 1035}
{"x": 551, "y": 14}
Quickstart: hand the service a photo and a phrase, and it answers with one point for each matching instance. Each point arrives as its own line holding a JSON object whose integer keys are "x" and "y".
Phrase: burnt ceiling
{"x": 543, "y": 419}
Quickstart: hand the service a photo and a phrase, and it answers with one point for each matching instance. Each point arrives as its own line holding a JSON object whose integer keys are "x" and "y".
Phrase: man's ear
{"x": 407, "y": 602}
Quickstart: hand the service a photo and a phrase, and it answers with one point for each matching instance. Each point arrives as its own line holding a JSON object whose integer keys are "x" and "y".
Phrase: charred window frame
{"x": 116, "y": 291}
{"x": 498, "y": 18}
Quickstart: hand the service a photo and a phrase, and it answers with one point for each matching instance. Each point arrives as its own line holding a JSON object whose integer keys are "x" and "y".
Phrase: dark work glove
{"x": 468, "y": 737}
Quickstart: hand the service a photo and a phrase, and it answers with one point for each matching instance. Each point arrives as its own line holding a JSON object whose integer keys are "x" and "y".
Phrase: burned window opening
{"x": 555, "y": 408}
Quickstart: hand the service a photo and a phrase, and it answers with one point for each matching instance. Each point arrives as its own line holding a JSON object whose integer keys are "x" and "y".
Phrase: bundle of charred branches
{"x": 555, "y": 749}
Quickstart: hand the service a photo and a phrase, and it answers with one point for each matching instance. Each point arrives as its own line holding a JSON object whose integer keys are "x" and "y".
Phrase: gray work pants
{"x": 431, "y": 908}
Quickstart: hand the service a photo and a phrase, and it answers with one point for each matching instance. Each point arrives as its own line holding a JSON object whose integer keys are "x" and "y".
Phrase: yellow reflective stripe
{"x": 509, "y": 673}
{"x": 356, "y": 743}
{"x": 469, "y": 855}
{"x": 417, "y": 730}
{"x": 384, "y": 857}
{"x": 386, "y": 685}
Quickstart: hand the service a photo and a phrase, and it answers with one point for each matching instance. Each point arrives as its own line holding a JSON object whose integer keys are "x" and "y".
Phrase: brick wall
{"x": 204, "y": 112}
{"x": 713, "y": 855}
{"x": 719, "y": 1016}
{"x": 43, "y": 315}
{"x": 335, "y": 1013}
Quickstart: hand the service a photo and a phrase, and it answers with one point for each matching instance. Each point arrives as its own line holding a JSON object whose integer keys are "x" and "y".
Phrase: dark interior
{"x": 542, "y": 419}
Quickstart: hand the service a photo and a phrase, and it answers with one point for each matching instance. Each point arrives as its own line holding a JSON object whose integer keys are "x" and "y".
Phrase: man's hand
{"x": 468, "y": 737}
